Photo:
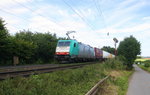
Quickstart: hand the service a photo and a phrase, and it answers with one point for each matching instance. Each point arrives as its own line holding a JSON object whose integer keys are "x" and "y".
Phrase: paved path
{"x": 139, "y": 83}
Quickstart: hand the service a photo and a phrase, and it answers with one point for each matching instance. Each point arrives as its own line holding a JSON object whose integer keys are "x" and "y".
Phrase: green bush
{"x": 147, "y": 64}
{"x": 115, "y": 63}
{"x": 144, "y": 67}
{"x": 147, "y": 61}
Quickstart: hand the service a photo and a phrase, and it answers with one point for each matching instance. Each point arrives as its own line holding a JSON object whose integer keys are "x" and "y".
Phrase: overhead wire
{"x": 13, "y": 14}
{"x": 37, "y": 13}
{"x": 80, "y": 15}
{"x": 83, "y": 15}
{"x": 22, "y": 18}
{"x": 105, "y": 24}
{"x": 25, "y": 19}
{"x": 70, "y": 24}
{"x": 16, "y": 26}
{"x": 37, "y": 4}
{"x": 97, "y": 5}
{"x": 82, "y": 18}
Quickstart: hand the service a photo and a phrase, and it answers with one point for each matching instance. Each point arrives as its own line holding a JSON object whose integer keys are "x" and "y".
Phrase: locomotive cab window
{"x": 64, "y": 43}
{"x": 74, "y": 44}
{"x": 67, "y": 44}
{"x": 60, "y": 43}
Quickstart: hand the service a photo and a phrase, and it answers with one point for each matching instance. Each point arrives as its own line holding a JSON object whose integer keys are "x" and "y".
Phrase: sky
{"x": 92, "y": 20}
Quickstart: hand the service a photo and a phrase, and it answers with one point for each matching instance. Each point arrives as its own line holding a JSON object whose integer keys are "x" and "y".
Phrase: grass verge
{"x": 66, "y": 82}
{"x": 117, "y": 84}
{"x": 144, "y": 68}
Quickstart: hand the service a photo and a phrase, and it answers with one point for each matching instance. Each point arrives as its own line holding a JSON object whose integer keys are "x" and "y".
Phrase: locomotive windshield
{"x": 64, "y": 43}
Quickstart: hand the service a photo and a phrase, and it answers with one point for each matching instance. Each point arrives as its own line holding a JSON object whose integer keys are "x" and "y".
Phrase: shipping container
{"x": 98, "y": 53}
{"x": 107, "y": 55}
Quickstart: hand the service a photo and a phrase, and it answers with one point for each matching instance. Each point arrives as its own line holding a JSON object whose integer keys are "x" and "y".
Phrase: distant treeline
{"x": 29, "y": 47}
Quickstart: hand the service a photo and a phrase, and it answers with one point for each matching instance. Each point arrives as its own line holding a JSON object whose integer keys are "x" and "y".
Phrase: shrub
{"x": 115, "y": 63}
{"x": 147, "y": 64}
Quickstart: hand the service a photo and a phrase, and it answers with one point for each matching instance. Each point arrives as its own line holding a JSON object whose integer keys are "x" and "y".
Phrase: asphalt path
{"x": 139, "y": 83}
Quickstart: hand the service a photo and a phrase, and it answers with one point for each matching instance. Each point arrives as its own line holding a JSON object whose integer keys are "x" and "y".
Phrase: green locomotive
{"x": 71, "y": 50}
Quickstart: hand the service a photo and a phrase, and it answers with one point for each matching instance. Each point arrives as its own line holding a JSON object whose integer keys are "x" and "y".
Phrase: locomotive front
{"x": 63, "y": 50}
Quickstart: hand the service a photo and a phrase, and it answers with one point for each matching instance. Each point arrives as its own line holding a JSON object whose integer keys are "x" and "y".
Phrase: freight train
{"x": 74, "y": 51}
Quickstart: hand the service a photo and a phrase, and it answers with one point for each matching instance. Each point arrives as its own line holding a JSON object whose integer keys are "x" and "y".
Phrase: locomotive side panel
{"x": 86, "y": 52}
{"x": 92, "y": 53}
{"x": 81, "y": 53}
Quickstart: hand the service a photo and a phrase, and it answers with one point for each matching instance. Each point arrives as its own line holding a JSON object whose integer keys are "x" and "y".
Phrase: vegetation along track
{"x": 95, "y": 90}
{"x": 12, "y": 74}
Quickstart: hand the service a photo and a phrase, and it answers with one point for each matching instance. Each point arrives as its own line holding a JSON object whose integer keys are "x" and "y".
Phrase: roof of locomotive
{"x": 66, "y": 40}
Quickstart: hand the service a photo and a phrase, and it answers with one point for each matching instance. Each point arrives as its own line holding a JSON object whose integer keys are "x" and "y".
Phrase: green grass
{"x": 66, "y": 82}
{"x": 141, "y": 59}
{"x": 144, "y": 67}
{"x": 122, "y": 82}
{"x": 117, "y": 84}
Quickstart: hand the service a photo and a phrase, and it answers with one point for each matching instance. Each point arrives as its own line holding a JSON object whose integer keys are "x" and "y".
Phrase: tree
{"x": 28, "y": 46}
{"x": 45, "y": 44}
{"x": 129, "y": 48}
{"x": 13, "y": 46}
{"x": 5, "y": 43}
{"x": 108, "y": 49}
{"x": 23, "y": 49}
{"x": 26, "y": 35}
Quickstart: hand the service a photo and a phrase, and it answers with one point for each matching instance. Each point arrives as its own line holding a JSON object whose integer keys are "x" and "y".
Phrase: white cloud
{"x": 9, "y": 3}
{"x": 73, "y": 25}
{"x": 118, "y": 13}
{"x": 121, "y": 22}
{"x": 146, "y": 18}
{"x": 125, "y": 3}
{"x": 52, "y": 11}
{"x": 6, "y": 2}
{"x": 87, "y": 14}
{"x": 136, "y": 28}
{"x": 12, "y": 29}
{"x": 41, "y": 24}
{"x": 12, "y": 21}
{"x": 19, "y": 10}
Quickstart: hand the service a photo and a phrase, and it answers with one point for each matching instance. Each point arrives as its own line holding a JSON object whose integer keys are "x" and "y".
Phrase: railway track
{"x": 12, "y": 74}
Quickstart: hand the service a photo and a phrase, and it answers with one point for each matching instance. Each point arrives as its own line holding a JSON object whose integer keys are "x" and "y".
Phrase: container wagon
{"x": 107, "y": 55}
{"x": 98, "y": 54}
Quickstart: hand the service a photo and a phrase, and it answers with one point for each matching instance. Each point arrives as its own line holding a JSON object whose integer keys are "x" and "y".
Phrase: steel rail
{"x": 12, "y": 74}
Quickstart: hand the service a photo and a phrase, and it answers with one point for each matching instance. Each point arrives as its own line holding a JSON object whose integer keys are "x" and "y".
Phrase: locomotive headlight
{"x": 66, "y": 53}
{"x": 68, "y": 47}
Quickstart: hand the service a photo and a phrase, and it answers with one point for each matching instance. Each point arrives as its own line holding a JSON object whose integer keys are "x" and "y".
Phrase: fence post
{"x": 15, "y": 60}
